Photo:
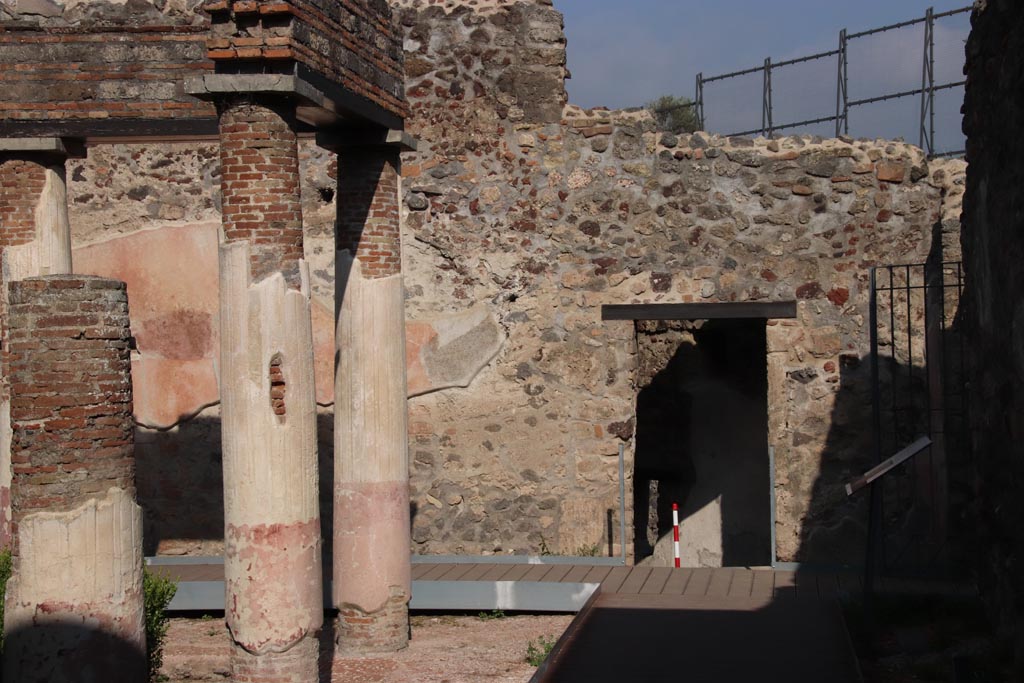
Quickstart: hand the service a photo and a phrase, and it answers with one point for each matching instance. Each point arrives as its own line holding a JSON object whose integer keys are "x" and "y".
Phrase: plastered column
{"x": 34, "y": 240}
{"x": 272, "y": 555}
{"x": 74, "y": 604}
{"x": 371, "y": 496}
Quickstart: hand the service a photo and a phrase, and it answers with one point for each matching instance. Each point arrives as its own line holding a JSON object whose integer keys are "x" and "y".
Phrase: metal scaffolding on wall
{"x": 927, "y": 91}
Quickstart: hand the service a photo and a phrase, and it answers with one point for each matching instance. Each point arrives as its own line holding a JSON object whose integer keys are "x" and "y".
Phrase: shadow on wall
{"x": 180, "y": 485}
{"x": 85, "y": 654}
{"x": 702, "y": 440}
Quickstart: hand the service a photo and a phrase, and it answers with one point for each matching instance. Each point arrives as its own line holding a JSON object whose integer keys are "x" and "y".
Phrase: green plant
{"x": 493, "y": 614}
{"x": 544, "y": 549}
{"x": 5, "y": 574}
{"x": 589, "y": 550}
{"x": 537, "y": 651}
{"x": 157, "y": 593}
{"x": 674, "y": 114}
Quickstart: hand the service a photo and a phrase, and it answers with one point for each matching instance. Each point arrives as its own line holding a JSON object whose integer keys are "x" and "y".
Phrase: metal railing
{"x": 919, "y": 388}
{"x": 841, "y": 117}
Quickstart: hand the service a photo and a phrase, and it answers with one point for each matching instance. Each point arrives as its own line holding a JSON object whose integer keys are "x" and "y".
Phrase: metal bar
{"x": 949, "y": 13}
{"x": 875, "y": 515}
{"x": 734, "y": 74}
{"x": 882, "y": 29}
{"x": 782, "y": 126}
{"x": 808, "y": 58}
{"x": 766, "y": 98}
{"x": 823, "y": 119}
{"x": 622, "y": 499}
{"x": 926, "y": 135}
{"x": 905, "y": 93}
{"x": 880, "y": 470}
{"x": 931, "y": 80}
{"x": 841, "y": 95}
{"x": 771, "y": 498}
{"x": 700, "y": 102}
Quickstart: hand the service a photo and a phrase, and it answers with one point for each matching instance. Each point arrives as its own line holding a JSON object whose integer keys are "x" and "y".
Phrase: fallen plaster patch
{"x": 450, "y": 351}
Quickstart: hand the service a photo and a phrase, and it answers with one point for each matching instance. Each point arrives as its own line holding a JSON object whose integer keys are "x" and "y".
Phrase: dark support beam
{"x": 710, "y": 311}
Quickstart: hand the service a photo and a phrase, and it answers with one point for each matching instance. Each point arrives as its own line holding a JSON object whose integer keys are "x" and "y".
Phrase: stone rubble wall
{"x": 550, "y": 220}
{"x": 993, "y": 311}
{"x": 522, "y": 216}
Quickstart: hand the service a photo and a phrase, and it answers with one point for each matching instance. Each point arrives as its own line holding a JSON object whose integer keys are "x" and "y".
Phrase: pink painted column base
{"x": 273, "y": 575}
{"x": 297, "y": 665}
{"x": 371, "y": 553}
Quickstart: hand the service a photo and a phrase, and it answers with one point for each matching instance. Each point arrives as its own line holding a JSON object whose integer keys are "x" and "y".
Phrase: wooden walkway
{"x": 718, "y": 582}
{"x": 535, "y": 586}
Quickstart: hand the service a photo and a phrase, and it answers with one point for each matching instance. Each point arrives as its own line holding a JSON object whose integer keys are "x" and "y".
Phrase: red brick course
{"x": 386, "y": 630}
{"x": 299, "y": 664}
{"x": 71, "y": 391}
{"x": 260, "y": 186}
{"x": 368, "y": 211}
{"x": 69, "y": 73}
{"x": 351, "y": 43}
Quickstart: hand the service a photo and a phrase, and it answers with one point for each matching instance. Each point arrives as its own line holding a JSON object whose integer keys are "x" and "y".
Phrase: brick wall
{"x": 21, "y": 184}
{"x": 101, "y": 74}
{"x": 260, "y": 187}
{"x": 368, "y": 212}
{"x": 71, "y": 403}
{"x": 993, "y": 312}
{"x": 352, "y": 44}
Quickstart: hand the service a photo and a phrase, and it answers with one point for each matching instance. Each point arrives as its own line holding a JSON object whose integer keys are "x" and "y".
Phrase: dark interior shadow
{"x": 702, "y": 440}
{"x": 180, "y": 486}
{"x": 67, "y": 653}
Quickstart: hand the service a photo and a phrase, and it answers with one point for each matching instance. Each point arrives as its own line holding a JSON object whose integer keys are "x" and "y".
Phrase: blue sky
{"x": 625, "y": 52}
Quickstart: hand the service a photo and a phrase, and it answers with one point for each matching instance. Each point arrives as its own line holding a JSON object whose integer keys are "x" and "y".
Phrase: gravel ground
{"x": 444, "y": 649}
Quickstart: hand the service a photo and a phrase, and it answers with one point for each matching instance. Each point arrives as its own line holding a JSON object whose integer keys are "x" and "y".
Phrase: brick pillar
{"x": 371, "y": 495}
{"x": 34, "y": 240}
{"x": 73, "y": 608}
{"x": 272, "y": 554}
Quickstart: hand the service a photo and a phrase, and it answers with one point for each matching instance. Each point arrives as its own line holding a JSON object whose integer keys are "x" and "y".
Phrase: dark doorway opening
{"x": 702, "y": 441}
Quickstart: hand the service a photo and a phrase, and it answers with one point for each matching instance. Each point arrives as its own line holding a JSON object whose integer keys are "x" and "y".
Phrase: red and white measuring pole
{"x": 675, "y": 531}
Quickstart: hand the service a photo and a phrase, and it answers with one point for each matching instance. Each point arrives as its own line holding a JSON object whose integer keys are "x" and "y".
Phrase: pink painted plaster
{"x": 371, "y": 543}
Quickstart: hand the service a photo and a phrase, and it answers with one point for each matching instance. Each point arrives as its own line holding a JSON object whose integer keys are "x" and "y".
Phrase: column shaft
{"x": 34, "y": 240}
{"x": 74, "y": 604}
{"x": 272, "y": 554}
{"x": 371, "y": 497}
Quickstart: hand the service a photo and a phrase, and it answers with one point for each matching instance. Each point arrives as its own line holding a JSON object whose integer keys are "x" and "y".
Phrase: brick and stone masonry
{"x": 77, "y": 580}
{"x": 371, "y": 495}
{"x": 272, "y": 554}
{"x": 35, "y": 239}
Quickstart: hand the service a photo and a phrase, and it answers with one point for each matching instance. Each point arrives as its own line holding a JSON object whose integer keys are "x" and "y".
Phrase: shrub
{"x": 157, "y": 593}
{"x": 537, "y": 651}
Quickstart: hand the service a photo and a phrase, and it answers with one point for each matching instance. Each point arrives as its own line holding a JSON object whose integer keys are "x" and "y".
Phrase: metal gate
{"x": 919, "y": 509}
